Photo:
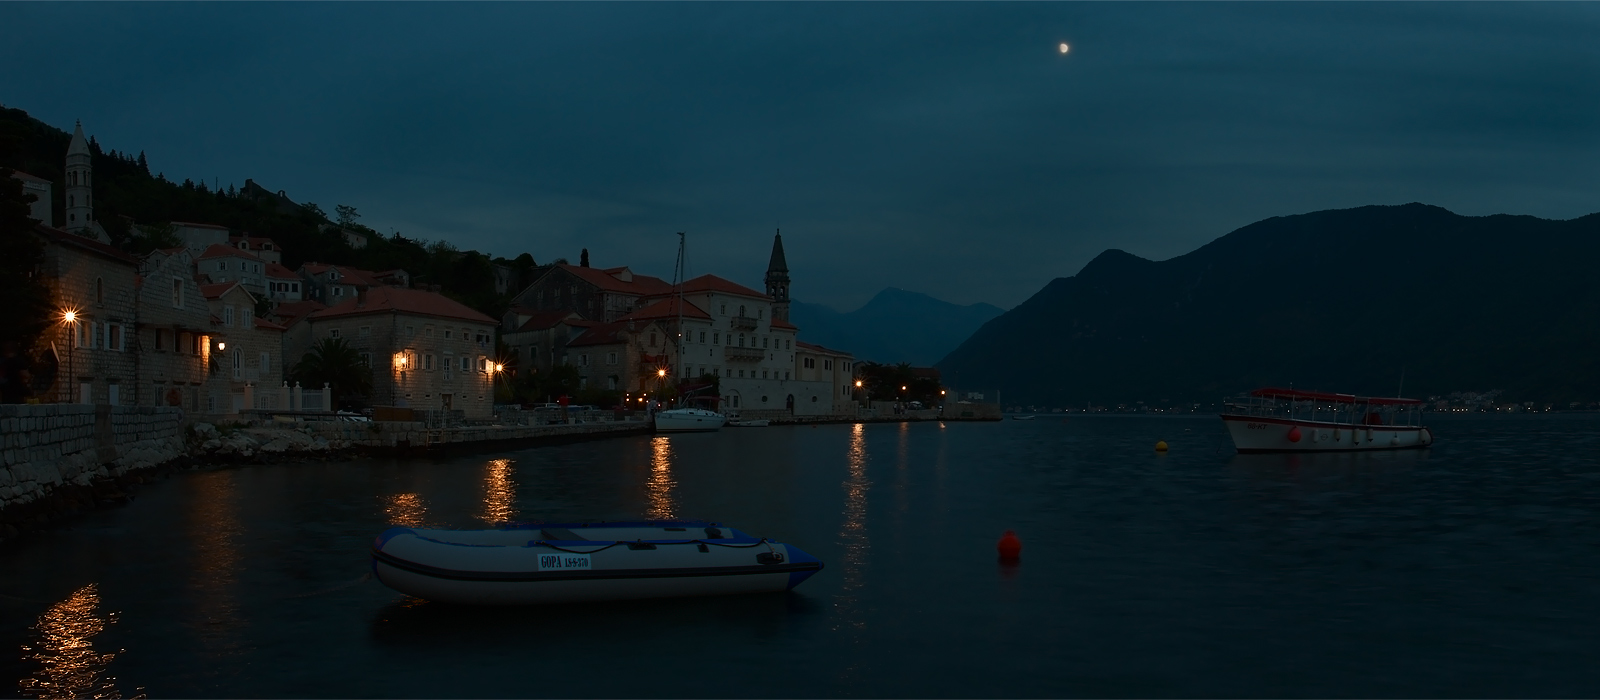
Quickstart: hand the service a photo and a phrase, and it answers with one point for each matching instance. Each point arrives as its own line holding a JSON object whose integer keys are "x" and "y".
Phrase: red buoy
{"x": 1294, "y": 434}
{"x": 1009, "y": 546}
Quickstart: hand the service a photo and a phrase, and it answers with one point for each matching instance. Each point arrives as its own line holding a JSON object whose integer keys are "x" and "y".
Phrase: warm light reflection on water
{"x": 71, "y": 666}
{"x": 214, "y": 531}
{"x": 499, "y": 492}
{"x": 405, "y": 510}
{"x": 663, "y": 505}
{"x": 854, "y": 533}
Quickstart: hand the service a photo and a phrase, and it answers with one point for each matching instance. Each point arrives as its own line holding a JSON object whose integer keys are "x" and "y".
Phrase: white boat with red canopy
{"x": 1290, "y": 420}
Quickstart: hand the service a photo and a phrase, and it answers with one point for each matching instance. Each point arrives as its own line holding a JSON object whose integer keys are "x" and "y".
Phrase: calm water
{"x": 1469, "y": 570}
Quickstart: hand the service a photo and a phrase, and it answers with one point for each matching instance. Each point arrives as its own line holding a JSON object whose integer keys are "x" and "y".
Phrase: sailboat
{"x": 684, "y": 419}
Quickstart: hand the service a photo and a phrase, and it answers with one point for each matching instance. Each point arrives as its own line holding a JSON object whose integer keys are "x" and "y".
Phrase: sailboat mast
{"x": 678, "y": 279}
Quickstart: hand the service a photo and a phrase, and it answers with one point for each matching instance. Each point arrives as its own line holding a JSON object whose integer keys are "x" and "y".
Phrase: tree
{"x": 347, "y": 214}
{"x": 26, "y": 311}
{"x": 561, "y": 380}
{"x": 314, "y": 210}
{"x": 332, "y": 361}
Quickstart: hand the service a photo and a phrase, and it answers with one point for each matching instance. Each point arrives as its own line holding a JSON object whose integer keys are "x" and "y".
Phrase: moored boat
{"x": 1290, "y": 420}
{"x": 561, "y": 563}
{"x": 689, "y": 420}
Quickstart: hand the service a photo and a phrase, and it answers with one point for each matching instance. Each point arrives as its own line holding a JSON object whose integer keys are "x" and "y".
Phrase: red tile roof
{"x": 667, "y": 308}
{"x": 276, "y": 271}
{"x": 409, "y": 301}
{"x": 25, "y": 177}
{"x": 813, "y": 347}
{"x": 215, "y": 291}
{"x": 188, "y": 224}
{"x": 59, "y": 236}
{"x": 713, "y": 283}
{"x": 218, "y": 250}
{"x": 297, "y": 309}
{"x": 642, "y": 285}
{"x": 602, "y": 334}
{"x": 780, "y": 323}
{"x": 541, "y": 320}
{"x": 268, "y": 325}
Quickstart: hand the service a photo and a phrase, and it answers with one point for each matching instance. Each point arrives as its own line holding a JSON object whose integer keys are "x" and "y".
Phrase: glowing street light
{"x": 69, "y": 316}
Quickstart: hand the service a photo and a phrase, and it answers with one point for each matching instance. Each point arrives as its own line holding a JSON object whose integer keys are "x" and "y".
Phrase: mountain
{"x": 1342, "y": 300}
{"x": 895, "y": 326}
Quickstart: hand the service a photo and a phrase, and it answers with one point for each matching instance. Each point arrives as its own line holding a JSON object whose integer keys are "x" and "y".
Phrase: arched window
{"x": 70, "y": 200}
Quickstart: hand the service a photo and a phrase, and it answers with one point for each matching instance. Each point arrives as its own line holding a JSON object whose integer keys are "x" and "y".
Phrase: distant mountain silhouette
{"x": 1341, "y": 300}
{"x": 895, "y": 326}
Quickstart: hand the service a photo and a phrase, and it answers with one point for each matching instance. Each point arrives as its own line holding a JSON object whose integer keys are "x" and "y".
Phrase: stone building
{"x": 283, "y": 285}
{"x": 596, "y": 295}
{"x": 426, "y": 351}
{"x": 248, "y": 350}
{"x": 92, "y": 287}
{"x": 41, "y": 189}
{"x": 225, "y": 263}
{"x": 334, "y": 284}
{"x": 263, "y": 248}
{"x": 198, "y": 237}
{"x": 538, "y": 339}
{"x": 173, "y": 333}
{"x": 621, "y": 356}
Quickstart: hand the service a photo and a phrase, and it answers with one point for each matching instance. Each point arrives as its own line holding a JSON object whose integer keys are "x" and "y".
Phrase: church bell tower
{"x": 778, "y": 280}
{"x": 80, "y": 207}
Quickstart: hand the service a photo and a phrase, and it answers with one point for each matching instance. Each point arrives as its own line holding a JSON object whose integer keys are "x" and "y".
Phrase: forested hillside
{"x": 134, "y": 205}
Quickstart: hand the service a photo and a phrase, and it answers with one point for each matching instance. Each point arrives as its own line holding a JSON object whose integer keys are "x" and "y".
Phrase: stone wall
{"x": 47, "y": 446}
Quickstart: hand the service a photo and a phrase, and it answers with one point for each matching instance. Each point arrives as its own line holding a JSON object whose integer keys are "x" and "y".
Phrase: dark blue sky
{"x": 945, "y": 148}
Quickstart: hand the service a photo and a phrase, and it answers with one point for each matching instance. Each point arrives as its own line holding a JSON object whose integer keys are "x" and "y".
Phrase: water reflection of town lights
{"x": 499, "y": 492}
{"x": 661, "y": 484}
{"x": 71, "y": 667}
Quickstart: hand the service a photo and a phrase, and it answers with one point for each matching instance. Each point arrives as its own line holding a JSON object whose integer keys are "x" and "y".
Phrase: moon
{"x": 1063, "y": 47}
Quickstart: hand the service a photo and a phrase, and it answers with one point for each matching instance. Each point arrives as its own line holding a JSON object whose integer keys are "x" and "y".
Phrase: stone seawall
{"x": 48, "y": 446}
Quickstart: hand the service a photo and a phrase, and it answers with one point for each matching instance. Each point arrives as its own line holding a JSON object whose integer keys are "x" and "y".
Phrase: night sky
{"x": 944, "y": 148}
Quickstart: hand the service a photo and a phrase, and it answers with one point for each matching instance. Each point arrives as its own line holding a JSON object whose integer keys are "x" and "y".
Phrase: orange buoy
{"x": 1161, "y": 445}
{"x": 1009, "y": 546}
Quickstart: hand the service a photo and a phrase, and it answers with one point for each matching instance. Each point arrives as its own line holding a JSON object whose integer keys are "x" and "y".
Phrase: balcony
{"x": 742, "y": 323}
{"x": 744, "y": 354}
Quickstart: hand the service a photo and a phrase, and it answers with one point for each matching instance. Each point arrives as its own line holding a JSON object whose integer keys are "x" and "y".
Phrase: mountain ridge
{"x": 1343, "y": 300}
{"x": 896, "y": 325}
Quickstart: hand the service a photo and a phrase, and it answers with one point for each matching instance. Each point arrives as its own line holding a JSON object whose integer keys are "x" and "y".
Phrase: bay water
{"x": 1466, "y": 570}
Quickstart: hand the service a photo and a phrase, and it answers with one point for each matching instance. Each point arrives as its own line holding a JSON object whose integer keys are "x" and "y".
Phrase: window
{"x": 366, "y": 359}
{"x": 161, "y": 339}
{"x": 238, "y": 363}
{"x": 447, "y": 334}
{"x": 427, "y": 361}
{"x": 364, "y": 332}
{"x": 741, "y": 340}
{"x": 427, "y": 332}
{"x": 338, "y": 291}
{"x": 583, "y": 360}
{"x": 611, "y": 382}
{"x": 761, "y": 313}
{"x": 222, "y": 266}
{"x": 466, "y": 364}
{"x": 333, "y": 332}
{"x": 724, "y": 310}
{"x": 227, "y": 316}
{"x": 652, "y": 337}
{"x": 177, "y": 292}
{"x": 827, "y": 364}
{"x": 411, "y": 331}
{"x": 763, "y": 374}
{"x": 716, "y": 338}
{"x": 702, "y": 337}
{"x": 611, "y": 359}
{"x": 764, "y": 341}
{"x": 99, "y": 290}
{"x": 788, "y": 345}
{"x": 114, "y": 338}
{"x": 264, "y": 362}
{"x": 808, "y": 363}
{"x": 741, "y": 310}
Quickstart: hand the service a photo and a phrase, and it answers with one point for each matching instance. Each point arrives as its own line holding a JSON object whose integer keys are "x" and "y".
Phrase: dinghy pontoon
{"x": 539, "y": 563}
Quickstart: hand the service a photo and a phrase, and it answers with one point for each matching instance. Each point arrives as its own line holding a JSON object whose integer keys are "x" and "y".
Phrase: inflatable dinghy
{"x": 521, "y": 564}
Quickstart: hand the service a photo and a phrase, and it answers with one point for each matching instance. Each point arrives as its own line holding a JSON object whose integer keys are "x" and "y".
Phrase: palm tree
{"x": 334, "y": 362}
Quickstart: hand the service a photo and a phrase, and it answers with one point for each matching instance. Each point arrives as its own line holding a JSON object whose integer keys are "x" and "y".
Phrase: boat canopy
{"x": 1298, "y": 395}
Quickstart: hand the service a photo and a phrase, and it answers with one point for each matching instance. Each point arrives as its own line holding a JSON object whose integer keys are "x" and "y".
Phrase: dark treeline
{"x": 134, "y": 205}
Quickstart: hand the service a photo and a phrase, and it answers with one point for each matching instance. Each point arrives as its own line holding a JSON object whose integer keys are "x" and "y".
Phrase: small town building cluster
{"x": 216, "y": 324}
